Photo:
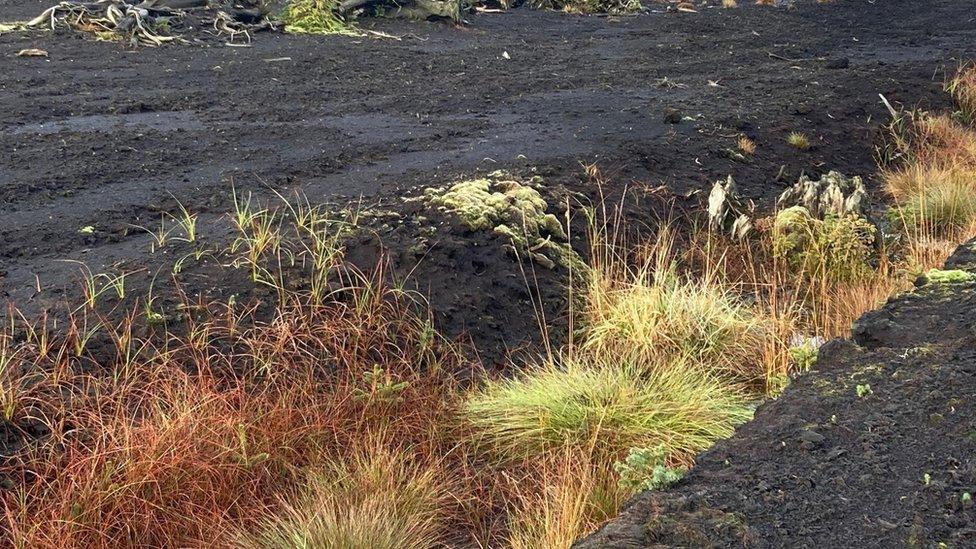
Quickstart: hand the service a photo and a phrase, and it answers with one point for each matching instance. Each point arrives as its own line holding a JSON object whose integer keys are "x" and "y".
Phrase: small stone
{"x": 810, "y": 439}
{"x": 672, "y": 116}
{"x": 838, "y": 63}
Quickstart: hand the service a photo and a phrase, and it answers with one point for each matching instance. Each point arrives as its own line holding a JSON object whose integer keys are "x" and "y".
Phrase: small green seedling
{"x": 864, "y": 390}
{"x": 804, "y": 355}
{"x": 927, "y": 479}
{"x": 966, "y": 497}
{"x": 87, "y": 229}
{"x": 380, "y": 387}
{"x": 243, "y": 454}
{"x": 646, "y": 469}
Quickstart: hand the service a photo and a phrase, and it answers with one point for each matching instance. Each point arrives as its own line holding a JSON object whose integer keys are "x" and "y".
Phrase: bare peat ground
{"x": 823, "y": 466}
{"x": 97, "y": 135}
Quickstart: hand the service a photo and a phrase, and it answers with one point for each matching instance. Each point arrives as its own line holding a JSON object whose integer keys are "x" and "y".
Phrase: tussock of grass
{"x": 568, "y": 495}
{"x": 609, "y": 402}
{"x": 935, "y": 187}
{"x": 937, "y": 201}
{"x": 962, "y": 87}
{"x": 374, "y": 498}
{"x": 746, "y": 146}
{"x": 672, "y": 317}
{"x": 665, "y": 315}
{"x": 798, "y": 141}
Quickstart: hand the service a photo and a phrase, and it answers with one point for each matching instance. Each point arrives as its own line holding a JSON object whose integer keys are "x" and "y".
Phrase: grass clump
{"x": 608, "y": 402}
{"x": 313, "y": 17}
{"x": 798, "y": 141}
{"x": 746, "y": 146}
{"x": 962, "y": 88}
{"x": 934, "y": 187}
{"x": 373, "y": 498}
{"x": 672, "y": 316}
{"x": 934, "y": 200}
{"x": 566, "y": 496}
{"x": 652, "y": 309}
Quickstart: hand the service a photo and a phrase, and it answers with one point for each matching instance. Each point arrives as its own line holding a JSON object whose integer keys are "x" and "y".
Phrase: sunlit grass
{"x": 609, "y": 402}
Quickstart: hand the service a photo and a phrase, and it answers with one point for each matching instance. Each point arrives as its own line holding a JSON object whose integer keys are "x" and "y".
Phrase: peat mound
{"x": 874, "y": 447}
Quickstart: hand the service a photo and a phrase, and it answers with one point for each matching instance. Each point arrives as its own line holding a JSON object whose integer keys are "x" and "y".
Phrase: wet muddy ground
{"x": 102, "y": 136}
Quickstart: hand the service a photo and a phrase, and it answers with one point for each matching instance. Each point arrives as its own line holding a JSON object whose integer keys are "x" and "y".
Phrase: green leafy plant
{"x": 647, "y": 469}
{"x": 838, "y": 248}
{"x": 863, "y": 390}
{"x": 803, "y": 355}
{"x": 380, "y": 387}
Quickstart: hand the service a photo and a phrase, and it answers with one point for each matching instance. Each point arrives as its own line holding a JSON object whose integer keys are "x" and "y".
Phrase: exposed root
{"x": 139, "y": 24}
{"x": 145, "y": 23}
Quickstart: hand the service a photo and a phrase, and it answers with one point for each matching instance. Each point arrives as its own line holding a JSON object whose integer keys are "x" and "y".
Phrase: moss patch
{"x": 511, "y": 209}
{"x": 952, "y": 276}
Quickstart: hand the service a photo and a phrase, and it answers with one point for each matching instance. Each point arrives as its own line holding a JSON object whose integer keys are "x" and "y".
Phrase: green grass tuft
{"x": 670, "y": 316}
{"x": 939, "y": 202}
{"x": 609, "y": 403}
{"x": 798, "y": 141}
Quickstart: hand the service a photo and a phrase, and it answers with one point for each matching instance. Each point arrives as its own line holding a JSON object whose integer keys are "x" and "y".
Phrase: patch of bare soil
{"x": 876, "y": 447}
{"x": 98, "y": 139}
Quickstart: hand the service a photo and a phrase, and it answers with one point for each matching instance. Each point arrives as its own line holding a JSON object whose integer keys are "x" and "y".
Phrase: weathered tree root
{"x": 144, "y": 23}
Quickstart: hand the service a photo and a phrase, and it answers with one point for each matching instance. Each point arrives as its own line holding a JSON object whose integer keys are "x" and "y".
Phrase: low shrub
{"x": 835, "y": 248}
